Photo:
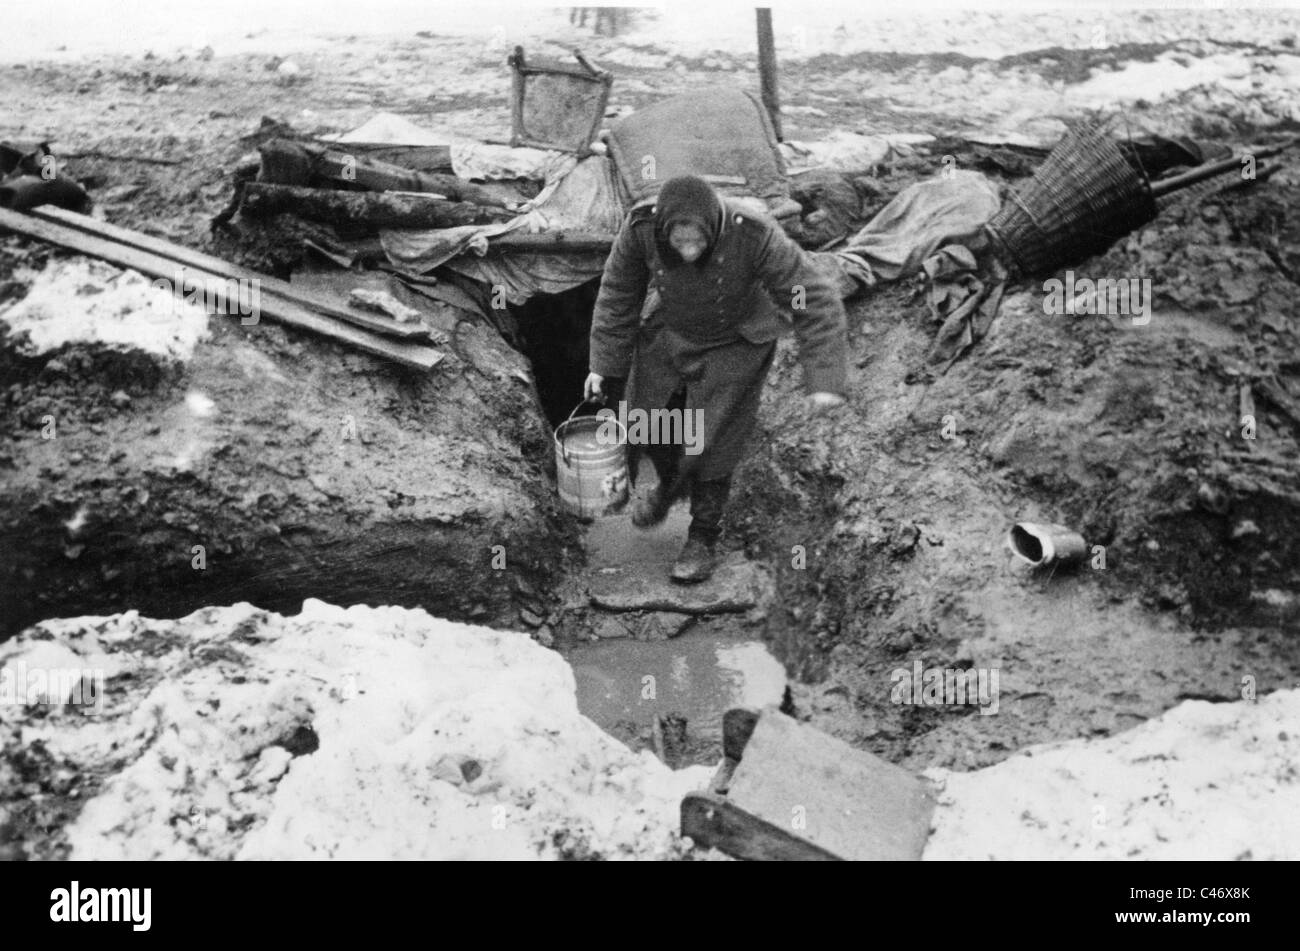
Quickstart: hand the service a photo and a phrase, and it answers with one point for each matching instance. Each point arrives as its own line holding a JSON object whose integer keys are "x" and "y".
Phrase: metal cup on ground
{"x": 1040, "y": 544}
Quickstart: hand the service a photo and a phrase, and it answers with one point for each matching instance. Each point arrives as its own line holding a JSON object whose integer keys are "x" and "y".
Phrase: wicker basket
{"x": 1083, "y": 197}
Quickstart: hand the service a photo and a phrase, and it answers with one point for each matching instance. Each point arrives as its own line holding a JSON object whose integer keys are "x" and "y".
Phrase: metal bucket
{"x": 591, "y": 474}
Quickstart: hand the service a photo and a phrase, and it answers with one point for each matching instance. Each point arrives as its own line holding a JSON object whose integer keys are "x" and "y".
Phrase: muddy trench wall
{"x": 271, "y": 467}
{"x": 887, "y": 534}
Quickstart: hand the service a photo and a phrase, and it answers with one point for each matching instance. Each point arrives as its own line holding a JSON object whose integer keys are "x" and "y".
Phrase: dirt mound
{"x": 271, "y": 466}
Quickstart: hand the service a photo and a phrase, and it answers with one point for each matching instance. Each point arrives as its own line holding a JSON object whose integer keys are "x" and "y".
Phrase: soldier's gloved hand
{"x": 820, "y": 403}
{"x": 593, "y": 389}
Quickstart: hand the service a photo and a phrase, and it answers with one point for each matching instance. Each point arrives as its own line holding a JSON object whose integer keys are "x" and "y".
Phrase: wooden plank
{"x": 157, "y": 266}
{"x": 214, "y": 265}
{"x": 446, "y": 293}
{"x": 847, "y": 801}
{"x": 719, "y": 823}
{"x": 421, "y": 158}
{"x": 384, "y": 176}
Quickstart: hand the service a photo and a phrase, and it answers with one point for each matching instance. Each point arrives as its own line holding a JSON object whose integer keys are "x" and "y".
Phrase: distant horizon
{"x": 166, "y": 27}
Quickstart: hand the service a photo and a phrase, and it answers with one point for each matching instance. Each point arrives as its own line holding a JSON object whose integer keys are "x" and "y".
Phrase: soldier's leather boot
{"x": 652, "y": 508}
{"x": 696, "y": 562}
{"x": 699, "y": 556}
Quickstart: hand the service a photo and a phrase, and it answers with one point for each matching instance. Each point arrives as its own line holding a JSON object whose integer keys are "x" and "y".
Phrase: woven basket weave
{"x": 1083, "y": 197}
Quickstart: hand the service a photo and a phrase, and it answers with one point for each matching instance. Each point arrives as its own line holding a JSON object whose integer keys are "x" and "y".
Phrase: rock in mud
{"x": 611, "y": 628}
{"x": 359, "y": 733}
{"x": 737, "y": 585}
{"x": 662, "y": 625}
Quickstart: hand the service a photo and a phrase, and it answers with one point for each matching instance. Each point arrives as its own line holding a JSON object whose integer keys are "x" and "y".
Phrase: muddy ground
{"x": 1131, "y": 434}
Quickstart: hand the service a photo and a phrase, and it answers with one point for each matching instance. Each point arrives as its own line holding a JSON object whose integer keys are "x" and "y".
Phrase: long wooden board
{"x": 276, "y": 308}
{"x": 715, "y": 821}
{"x": 267, "y": 285}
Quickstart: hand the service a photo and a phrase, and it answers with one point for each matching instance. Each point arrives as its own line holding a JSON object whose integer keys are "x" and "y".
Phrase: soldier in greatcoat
{"x": 724, "y": 277}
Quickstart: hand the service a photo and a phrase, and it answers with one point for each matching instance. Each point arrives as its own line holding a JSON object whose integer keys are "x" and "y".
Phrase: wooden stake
{"x": 767, "y": 69}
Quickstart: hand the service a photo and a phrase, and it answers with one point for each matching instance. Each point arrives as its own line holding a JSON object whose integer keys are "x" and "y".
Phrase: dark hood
{"x": 687, "y": 199}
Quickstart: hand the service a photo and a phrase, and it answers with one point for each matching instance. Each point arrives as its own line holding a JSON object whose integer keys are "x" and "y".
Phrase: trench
{"x": 640, "y": 691}
{"x": 717, "y": 662}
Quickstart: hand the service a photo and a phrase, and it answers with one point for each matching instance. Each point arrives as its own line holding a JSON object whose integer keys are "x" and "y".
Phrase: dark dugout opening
{"x": 553, "y": 334}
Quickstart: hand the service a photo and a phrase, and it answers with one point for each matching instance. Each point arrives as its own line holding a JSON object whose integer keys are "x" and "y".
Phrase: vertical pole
{"x": 767, "y": 68}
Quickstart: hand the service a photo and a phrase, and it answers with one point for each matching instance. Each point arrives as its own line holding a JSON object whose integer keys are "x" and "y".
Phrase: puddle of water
{"x": 694, "y": 675}
{"x": 714, "y": 666}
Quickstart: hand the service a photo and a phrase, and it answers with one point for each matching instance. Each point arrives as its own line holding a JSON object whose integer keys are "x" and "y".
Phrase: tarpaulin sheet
{"x": 586, "y": 199}
{"x": 523, "y": 275}
{"x": 714, "y": 131}
{"x": 949, "y": 209}
{"x": 422, "y": 250}
{"x": 481, "y": 160}
{"x": 936, "y": 226}
{"x": 965, "y": 296}
{"x": 848, "y": 151}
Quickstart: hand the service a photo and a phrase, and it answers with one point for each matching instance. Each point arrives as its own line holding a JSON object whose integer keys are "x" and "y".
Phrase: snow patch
{"x": 345, "y": 733}
{"x": 1205, "y": 781}
{"x": 81, "y": 300}
{"x": 1168, "y": 74}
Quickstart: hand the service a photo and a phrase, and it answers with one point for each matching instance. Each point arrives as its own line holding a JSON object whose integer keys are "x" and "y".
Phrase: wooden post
{"x": 767, "y": 68}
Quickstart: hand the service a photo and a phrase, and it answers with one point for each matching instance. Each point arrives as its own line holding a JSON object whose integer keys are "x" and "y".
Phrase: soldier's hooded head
{"x": 687, "y": 200}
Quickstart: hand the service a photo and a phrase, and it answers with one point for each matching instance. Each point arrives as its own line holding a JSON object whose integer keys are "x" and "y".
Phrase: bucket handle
{"x": 583, "y": 403}
{"x": 564, "y": 452}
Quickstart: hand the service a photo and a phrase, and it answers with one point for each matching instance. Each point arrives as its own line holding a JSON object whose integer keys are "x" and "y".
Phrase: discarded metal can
{"x": 1052, "y": 544}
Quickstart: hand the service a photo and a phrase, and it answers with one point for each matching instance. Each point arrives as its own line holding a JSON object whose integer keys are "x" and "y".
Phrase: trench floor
{"x": 667, "y": 695}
